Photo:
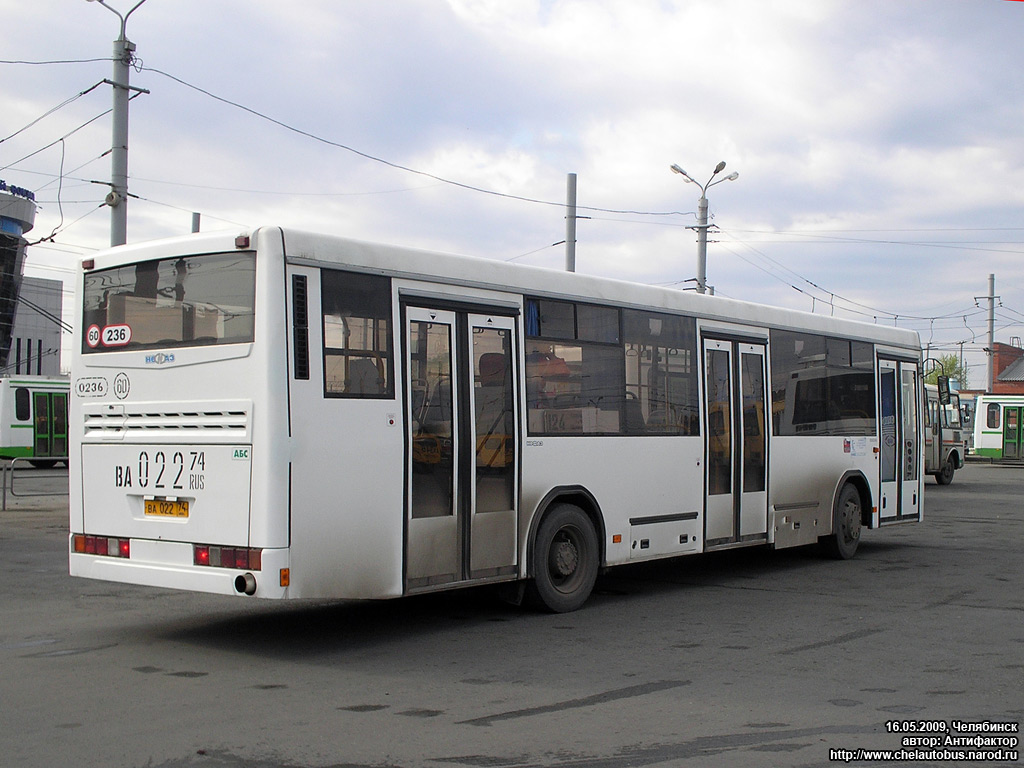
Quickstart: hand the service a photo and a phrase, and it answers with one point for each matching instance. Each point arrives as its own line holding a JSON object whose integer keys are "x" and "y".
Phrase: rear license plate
{"x": 164, "y": 508}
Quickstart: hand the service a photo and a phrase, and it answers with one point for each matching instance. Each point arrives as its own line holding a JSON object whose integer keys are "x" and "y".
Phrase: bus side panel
{"x": 347, "y": 482}
{"x": 988, "y": 428}
{"x": 268, "y": 519}
{"x": 14, "y": 439}
{"x": 17, "y": 435}
{"x": 657, "y": 482}
{"x": 804, "y": 473}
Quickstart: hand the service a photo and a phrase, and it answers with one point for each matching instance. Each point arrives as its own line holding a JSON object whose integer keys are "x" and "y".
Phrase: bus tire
{"x": 846, "y": 525}
{"x": 565, "y": 560}
{"x": 945, "y": 475}
{"x": 43, "y": 463}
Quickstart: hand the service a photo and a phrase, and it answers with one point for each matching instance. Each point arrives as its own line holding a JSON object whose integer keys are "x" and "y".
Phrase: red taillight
{"x": 101, "y": 545}
{"x": 201, "y": 556}
{"x": 227, "y": 557}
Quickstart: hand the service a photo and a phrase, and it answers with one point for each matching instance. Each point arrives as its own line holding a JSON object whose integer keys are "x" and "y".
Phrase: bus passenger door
{"x": 736, "y": 445}
{"x": 433, "y": 546}
{"x": 461, "y": 440}
{"x": 494, "y": 490}
{"x": 50, "y": 424}
{"x": 910, "y": 500}
{"x": 932, "y": 432}
{"x": 1011, "y": 432}
{"x": 899, "y": 450}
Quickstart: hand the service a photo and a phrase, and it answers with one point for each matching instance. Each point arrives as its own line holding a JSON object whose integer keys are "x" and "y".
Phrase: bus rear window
{"x": 184, "y": 301}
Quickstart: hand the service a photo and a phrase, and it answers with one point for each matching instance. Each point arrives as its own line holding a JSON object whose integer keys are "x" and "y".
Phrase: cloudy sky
{"x": 880, "y": 143}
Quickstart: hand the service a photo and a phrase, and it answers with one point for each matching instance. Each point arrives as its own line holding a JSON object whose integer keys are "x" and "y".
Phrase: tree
{"x": 946, "y": 365}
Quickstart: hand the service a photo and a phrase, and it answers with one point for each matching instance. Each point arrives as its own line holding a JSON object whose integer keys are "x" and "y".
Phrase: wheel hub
{"x": 851, "y": 522}
{"x": 564, "y": 558}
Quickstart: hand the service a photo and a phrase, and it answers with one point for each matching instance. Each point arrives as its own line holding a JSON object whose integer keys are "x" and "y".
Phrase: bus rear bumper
{"x": 220, "y": 581}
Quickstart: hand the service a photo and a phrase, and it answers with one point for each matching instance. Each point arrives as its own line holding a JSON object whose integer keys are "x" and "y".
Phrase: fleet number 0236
{"x": 164, "y": 470}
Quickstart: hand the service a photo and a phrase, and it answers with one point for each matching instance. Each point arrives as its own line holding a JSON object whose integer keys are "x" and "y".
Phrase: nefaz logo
{"x": 159, "y": 359}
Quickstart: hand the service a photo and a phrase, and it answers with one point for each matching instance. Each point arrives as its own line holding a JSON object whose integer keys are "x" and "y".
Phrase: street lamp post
{"x": 702, "y": 218}
{"x": 117, "y": 199}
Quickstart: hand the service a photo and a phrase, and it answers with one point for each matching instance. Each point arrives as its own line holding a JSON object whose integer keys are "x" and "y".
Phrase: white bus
{"x": 998, "y": 430}
{"x": 945, "y": 438}
{"x": 34, "y": 419}
{"x": 289, "y": 415}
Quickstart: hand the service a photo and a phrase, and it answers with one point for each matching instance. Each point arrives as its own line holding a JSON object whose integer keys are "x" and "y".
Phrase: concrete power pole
{"x": 570, "y": 223}
{"x": 991, "y": 332}
{"x": 117, "y": 198}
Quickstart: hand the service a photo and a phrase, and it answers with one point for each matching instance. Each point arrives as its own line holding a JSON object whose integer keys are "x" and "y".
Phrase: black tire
{"x": 565, "y": 560}
{"x": 43, "y": 463}
{"x": 945, "y": 475}
{"x": 846, "y": 525}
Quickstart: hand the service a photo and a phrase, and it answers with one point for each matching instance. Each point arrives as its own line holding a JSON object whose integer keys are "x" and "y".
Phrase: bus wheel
{"x": 42, "y": 463}
{"x": 846, "y": 522}
{"x": 565, "y": 560}
{"x": 945, "y": 475}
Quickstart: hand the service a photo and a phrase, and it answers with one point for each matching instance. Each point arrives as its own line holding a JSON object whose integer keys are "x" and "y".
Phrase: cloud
{"x": 866, "y": 134}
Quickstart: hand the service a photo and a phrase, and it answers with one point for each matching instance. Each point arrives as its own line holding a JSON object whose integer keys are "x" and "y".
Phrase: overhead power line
{"x": 399, "y": 166}
{"x": 56, "y": 61}
{"x": 50, "y": 111}
{"x": 57, "y": 141}
{"x": 45, "y": 313}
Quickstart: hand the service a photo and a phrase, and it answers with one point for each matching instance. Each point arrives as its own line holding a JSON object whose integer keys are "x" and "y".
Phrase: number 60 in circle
{"x": 116, "y": 335}
{"x": 92, "y": 336}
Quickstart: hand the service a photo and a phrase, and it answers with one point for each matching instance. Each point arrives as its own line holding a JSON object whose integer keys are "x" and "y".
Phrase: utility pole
{"x": 991, "y": 331}
{"x": 570, "y": 223}
{"x": 117, "y": 198}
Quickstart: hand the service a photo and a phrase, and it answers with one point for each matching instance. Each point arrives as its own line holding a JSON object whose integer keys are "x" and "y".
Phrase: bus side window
{"x": 357, "y": 335}
{"x": 22, "y": 404}
{"x": 992, "y": 416}
{"x": 574, "y": 368}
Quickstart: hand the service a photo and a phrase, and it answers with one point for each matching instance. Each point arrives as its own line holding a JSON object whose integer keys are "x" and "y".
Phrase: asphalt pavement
{"x": 751, "y": 657}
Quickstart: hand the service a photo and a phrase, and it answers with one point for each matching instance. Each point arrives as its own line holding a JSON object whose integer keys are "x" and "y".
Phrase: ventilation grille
{"x": 234, "y": 423}
{"x": 300, "y": 322}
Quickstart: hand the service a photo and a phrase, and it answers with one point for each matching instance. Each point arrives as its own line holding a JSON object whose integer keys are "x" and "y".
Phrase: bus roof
{"x": 474, "y": 271}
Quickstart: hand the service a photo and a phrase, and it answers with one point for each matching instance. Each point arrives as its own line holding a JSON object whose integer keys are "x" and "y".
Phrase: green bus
{"x": 34, "y": 419}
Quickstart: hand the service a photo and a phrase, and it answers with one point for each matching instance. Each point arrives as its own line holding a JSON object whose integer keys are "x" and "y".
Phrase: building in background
{"x": 35, "y": 337}
{"x": 17, "y": 216}
{"x": 1008, "y": 362}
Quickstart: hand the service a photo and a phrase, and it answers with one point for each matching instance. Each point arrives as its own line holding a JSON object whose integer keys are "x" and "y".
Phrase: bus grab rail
{"x": 8, "y": 478}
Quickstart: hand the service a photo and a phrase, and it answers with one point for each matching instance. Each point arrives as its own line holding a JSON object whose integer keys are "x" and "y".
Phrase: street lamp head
{"x": 720, "y": 167}
{"x": 733, "y": 176}
{"x": 686, "y": 177}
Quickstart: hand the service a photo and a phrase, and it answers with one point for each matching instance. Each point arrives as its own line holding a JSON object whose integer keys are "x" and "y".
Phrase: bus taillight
{"x": 227, "y": 557}
{"x": 102, "y": 545}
